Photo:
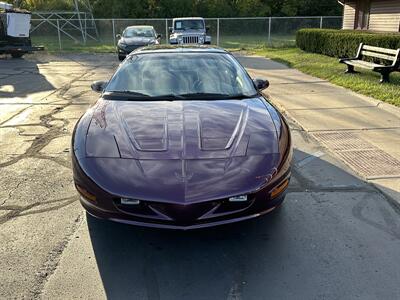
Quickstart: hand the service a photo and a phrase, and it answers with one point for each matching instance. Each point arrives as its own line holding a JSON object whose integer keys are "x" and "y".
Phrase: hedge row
{"x": 342, "y": 43}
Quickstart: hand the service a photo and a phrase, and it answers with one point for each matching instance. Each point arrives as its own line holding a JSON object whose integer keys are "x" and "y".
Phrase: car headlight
{"x": 280, "y": 188}
{"x": 201, "y": 39}
{"x": 180, "y": 40}
{"x": 85, "y": 194}
{"x": 122, "y": 45}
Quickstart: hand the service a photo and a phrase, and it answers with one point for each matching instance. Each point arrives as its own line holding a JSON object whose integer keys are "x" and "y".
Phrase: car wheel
{"x": 121, "y": 58}
{"x": 17, "y": 55}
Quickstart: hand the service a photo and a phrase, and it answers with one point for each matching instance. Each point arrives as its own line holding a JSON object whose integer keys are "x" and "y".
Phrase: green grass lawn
{"x": 256, "y": 41}
{"x": 325, "y": 67}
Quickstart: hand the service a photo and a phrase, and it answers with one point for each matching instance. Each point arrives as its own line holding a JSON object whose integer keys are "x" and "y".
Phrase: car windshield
{"x": 189, "y": 24}
{"x": 138, "y": 32}
{"x": 181, "y": 76}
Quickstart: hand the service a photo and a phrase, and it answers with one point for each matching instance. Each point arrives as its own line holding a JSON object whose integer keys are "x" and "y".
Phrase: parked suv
{"x": 189, "y": 31}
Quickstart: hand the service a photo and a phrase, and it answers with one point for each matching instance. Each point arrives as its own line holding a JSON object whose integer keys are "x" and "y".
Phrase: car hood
{"x": 137, "y": 40}
{"x": 190, "y": 32}
{"x": 189, "y": 151}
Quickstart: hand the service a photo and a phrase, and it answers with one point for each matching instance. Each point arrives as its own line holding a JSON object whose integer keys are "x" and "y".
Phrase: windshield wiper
{"x": 215, "y": 96}
{"x": 128, "y": 93}
{"x": 116, "y": 95}
{"x": 241, "y": 96}
{"x": 167, "y": 97}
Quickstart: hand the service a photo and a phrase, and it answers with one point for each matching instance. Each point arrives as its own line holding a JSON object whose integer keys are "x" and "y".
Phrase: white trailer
{"x": 14, "y": 31}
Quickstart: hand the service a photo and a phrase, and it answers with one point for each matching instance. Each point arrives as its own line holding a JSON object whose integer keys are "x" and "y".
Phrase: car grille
{"x": 185, "y": 214}
{"x": 191, "y": 39}
{"x": 131, "y": 48}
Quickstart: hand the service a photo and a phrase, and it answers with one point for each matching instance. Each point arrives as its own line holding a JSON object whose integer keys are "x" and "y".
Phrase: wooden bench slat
{"x": 362, "y": 64}
{"x": 379, "y": 55}
{"x": 379, "y": 49}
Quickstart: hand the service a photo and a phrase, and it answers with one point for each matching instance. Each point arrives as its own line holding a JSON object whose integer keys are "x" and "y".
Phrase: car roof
{"x": 179, "y": 49}
{"x": 188, "y": 18}
{"x": 140, "y": 26}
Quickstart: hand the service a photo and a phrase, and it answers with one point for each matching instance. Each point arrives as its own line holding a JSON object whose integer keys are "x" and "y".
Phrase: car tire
{"x": 17, "y": 55}
{"x": 121, "y": 58}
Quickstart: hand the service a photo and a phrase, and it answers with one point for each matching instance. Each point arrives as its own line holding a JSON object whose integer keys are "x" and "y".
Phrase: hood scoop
{"x": 145, "y": 132}
{"x": 211, "y": 140}
{"x": 183, "y": 129}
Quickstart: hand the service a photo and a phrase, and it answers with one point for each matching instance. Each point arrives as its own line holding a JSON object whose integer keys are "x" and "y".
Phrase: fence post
{"x": 320, "y": 23}
{"x": 269, "y": 31}
{"x": 166, "y": 31}
{"x": 59, "y": 36}
{"x": 217, "y": 31}
{"x": 113, "y": 30}
{"x": 85, "y": 26}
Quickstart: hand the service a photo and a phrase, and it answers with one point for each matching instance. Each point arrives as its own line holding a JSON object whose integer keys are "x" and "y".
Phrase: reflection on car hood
{"x": 182, "y": 129}
{"x": 137, "y": 40}
{"x": 183, "y": 147}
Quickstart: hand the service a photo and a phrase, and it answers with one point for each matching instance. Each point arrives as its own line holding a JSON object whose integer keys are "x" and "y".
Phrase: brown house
{"x": 375, "y": 15}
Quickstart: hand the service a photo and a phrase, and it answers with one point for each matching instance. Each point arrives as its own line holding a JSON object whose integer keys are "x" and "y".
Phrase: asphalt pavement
{"x": 336, "y": 237}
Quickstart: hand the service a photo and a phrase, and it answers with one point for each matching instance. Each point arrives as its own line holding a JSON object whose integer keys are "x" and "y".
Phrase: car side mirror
{"x": 261, "y": 84}
{"x": 170, "y": 29}
{"x": 159, "y": 36}
{"x": 118, "y": 36}
{"x": 98, "y": 86}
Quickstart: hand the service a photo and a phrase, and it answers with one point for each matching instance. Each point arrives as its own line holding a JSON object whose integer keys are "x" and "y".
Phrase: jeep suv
{"x": 189, "y": 31}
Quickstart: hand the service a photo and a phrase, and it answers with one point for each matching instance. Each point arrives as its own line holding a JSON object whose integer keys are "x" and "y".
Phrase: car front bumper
{"x": 119, "y": 217}
{"x": 126, "y": 50}
{"x": 172, "y": 215}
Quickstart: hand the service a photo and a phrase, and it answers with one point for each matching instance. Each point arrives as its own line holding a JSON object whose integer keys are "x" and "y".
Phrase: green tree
{"x": 205, "y": 8}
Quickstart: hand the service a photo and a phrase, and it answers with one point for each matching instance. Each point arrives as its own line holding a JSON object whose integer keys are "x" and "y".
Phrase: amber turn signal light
{"x": 280, "y": 188}
{"x": 85, "y": 194}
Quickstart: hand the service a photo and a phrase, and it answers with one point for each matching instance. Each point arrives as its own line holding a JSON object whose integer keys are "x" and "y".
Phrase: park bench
{"x": 383, "y": 54}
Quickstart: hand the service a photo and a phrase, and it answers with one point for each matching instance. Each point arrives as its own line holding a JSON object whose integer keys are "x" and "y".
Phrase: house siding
{"x": 349, "y": 15}
{"x": 384, "y": 16}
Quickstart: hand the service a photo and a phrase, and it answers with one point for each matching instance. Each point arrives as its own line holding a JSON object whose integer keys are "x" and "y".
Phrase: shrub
{"x": 343, "y": 43}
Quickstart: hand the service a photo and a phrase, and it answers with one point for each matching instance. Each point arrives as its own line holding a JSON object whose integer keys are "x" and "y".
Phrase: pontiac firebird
{"x": 181, "y": 138}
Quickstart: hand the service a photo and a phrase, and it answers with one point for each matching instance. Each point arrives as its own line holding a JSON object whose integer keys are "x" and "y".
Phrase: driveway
{"x": 336, "y": 237}
{"x": 363, "y": 132}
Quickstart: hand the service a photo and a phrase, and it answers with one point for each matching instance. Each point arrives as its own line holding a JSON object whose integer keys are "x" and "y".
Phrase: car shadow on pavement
{"x": 303, "y": 250}
{"x": 20, "y": 78}
{"x": 140, "y": 263}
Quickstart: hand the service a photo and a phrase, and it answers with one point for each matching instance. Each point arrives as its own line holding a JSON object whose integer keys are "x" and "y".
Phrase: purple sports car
{"x": 181, "y": 138}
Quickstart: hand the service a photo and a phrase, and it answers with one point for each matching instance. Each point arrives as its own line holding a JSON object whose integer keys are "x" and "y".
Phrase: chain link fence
{"x": 231, "y": 33}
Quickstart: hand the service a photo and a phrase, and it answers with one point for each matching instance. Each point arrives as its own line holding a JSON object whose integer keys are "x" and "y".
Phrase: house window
{"x": 362, "y": 14}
